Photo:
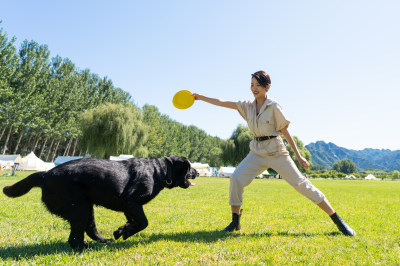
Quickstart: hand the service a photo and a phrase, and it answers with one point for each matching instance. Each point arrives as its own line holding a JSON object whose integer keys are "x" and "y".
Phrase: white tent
{"x": 226, "y": 171}
{"x": 263, "y": 174}
{"x": 371, "y": 177}
{"x": 121, "y": 157}
{"x": 350, "y": 177}
{"x": 202, "y": 168}
{"x": 32, "y": 162}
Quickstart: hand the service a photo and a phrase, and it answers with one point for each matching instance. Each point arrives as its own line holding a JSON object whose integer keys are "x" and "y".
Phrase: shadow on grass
{"x": 307, "y": 234}
{"x": 27, "y": 251}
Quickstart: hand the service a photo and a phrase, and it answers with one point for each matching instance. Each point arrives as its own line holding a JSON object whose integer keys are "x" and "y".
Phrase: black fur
{"x": 71, "y": 189}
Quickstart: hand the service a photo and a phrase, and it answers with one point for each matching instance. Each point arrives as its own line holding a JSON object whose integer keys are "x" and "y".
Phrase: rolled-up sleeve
{"x": 280, "y": 119}
{"x": 243, "y": 108}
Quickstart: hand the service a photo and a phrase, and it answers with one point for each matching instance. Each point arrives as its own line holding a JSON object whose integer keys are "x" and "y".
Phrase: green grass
{"x": 279, "y": 226}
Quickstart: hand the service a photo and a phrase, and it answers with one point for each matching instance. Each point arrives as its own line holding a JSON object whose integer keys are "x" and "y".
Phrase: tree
{"x": 237, "y": 146}
{"x": 113, "y": 129}
{"x": 8, "y": 65}
{"x": 302, "y": 150}
{"x": 318, "y": 168}
{"x": 345, "y": 166}
{"x": 396, "y": 174}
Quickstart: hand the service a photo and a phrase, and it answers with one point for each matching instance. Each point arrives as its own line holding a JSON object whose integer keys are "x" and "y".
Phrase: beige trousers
{"x": 254, "y": 164}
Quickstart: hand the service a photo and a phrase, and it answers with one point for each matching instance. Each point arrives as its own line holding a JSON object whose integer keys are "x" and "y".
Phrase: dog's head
{"x": 181, "y": 171}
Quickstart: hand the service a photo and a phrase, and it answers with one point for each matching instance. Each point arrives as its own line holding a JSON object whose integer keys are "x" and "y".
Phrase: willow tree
{"x": 237, "y": 146}
{"x": 113, "y": 129}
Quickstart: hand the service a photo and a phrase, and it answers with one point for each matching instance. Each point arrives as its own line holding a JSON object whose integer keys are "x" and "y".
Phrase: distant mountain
{"x": 327, "y": 154}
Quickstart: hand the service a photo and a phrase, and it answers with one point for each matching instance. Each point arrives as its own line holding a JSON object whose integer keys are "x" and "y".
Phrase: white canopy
{"x": 371, "y": 177}
{"x": 64, "y": 159}
{"x": 202, "y": 168}
{"x": 121, "y": 157}
{"x": 226, "y": 171}
{"x": 15, "y": 158}
{"x": 32, "y": 162}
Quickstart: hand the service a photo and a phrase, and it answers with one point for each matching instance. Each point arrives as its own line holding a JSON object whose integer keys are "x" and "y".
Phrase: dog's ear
{"x": 180, "y": 164}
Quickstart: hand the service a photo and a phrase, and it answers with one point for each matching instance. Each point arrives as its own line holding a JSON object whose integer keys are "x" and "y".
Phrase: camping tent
{"x": 202, "y": 168}
{"x": 350, "y": 177}
{"x": 371, "y": 177}
{"x": 8, "y": 162}
{"x": 121, "y": 157}
{"x": 263, "y": 174}
{"x": 63, "y": 159}
{"x": 226, "y": 171}
{"x": 32, "y": 162}
{"x": 15, "y": 158}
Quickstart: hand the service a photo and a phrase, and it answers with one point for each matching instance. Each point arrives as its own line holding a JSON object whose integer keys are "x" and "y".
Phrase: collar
{"x": 168, "y": 179}
{"x": 267, "y": 102}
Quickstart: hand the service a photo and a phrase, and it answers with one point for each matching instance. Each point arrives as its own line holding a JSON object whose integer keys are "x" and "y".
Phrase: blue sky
{"x": 334, "y": 66}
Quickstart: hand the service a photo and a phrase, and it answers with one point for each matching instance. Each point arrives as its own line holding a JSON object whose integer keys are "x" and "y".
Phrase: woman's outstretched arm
{"x": 218, "y": 102}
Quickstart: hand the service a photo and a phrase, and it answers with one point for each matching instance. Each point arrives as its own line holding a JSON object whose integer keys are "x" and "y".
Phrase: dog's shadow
{"x": 27, "y": 251}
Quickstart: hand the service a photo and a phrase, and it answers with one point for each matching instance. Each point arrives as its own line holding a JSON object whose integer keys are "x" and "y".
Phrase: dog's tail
{"x": 22, "y": 187}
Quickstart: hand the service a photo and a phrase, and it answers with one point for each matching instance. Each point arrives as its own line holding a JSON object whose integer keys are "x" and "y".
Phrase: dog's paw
{"x": 117, "y": 234}
{"x": 125, "y": 235}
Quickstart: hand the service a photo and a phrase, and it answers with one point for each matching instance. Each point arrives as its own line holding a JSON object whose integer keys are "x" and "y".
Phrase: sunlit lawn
{"x": 279, "y": 226}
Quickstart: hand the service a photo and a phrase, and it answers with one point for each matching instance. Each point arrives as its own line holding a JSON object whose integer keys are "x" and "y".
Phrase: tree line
{"x": 45, "y": 103}
{"x": 41, "y": 99}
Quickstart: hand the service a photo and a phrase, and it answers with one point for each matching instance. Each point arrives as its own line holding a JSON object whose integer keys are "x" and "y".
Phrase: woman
{"x": 267, "y": 150}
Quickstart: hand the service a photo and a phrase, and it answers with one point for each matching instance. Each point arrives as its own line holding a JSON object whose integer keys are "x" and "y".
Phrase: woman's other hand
{"x": 303, "y": 162}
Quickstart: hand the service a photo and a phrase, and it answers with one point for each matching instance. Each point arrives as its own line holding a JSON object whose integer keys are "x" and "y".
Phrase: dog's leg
{"x": 91, "y": 229}
{"x": 137, "y": 221}
{"x": 77, "y": 215}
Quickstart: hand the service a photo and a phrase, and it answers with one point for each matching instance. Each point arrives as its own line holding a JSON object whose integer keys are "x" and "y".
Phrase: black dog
{"x": 71, "y": 189}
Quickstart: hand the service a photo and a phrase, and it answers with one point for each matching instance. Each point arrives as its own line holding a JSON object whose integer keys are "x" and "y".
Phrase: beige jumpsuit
{"x": 268, "y": 153}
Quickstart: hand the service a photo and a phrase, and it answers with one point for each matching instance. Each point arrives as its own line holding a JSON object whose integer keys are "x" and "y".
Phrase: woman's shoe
{"x": 235, "y": 224}
{"x": 343, "y": 227}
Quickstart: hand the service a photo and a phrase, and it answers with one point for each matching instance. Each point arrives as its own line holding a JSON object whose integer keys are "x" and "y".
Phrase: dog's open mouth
{"x": 191, "y": 175}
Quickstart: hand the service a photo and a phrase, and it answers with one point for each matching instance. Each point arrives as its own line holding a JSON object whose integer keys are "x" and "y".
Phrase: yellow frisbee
{"x": 183, "y": 99}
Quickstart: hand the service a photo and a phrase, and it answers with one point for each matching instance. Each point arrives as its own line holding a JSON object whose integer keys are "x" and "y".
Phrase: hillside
{"x": 327, "y": 154}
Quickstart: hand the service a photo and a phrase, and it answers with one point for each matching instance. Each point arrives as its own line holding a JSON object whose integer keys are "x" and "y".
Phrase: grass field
{"x": 279, "y": 226}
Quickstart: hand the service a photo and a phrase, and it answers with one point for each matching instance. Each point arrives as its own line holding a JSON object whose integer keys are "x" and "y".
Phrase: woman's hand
{"x": 196, "y": 96}
{"x": 303, "y": 162}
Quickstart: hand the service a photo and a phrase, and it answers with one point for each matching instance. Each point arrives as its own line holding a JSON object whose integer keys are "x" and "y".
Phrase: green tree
{"x": 302, "y": 150}
{"x": 237, "y": 146}
{"x": 113, "y": 129}
{"x": 318, "y": 168}
{"x": 396, "y": 174}
{"x": 8, "y": 65}
{"x": 345, "y": 166}
{"x": 25, "y": 104}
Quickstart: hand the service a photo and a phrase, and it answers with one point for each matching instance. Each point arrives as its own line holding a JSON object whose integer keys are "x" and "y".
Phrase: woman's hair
{"x": 262, "y": 78}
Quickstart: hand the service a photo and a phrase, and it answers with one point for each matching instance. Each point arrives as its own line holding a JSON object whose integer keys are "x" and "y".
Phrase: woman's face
{"x": 258, "y": 90}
